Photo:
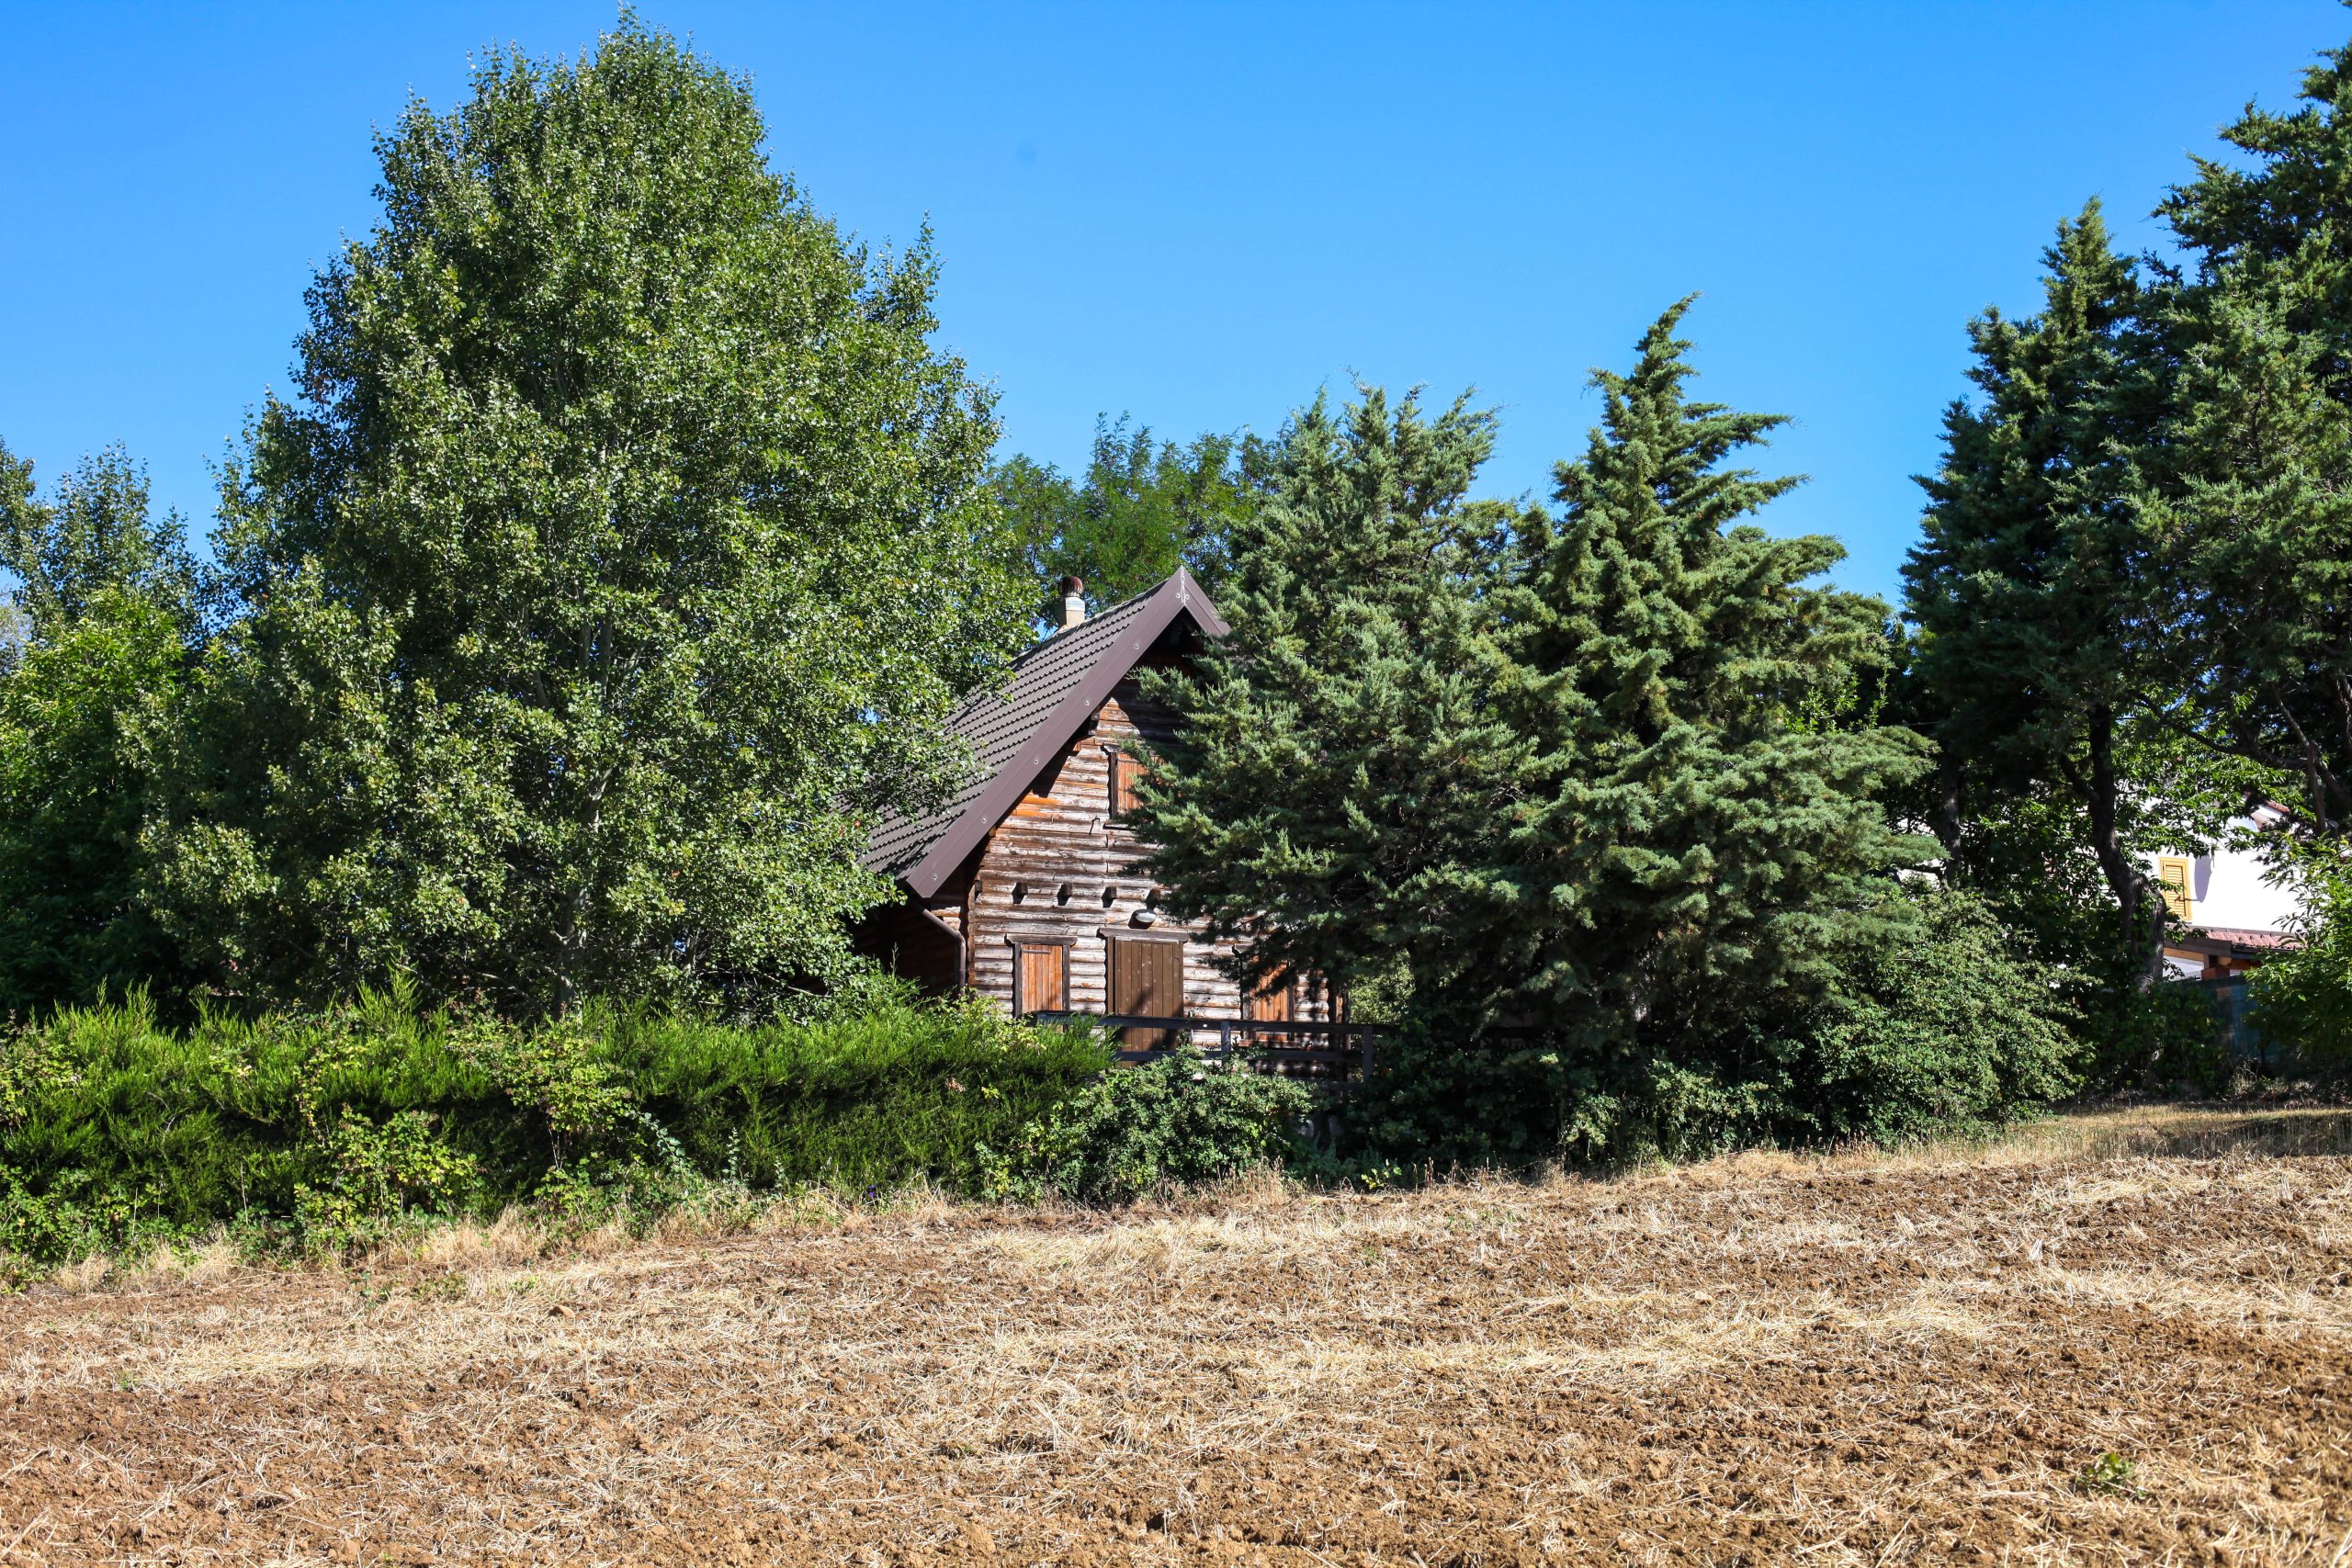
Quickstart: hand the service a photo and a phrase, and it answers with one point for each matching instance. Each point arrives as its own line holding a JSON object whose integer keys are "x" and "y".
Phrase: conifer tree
{"x": 2031, "y": 587}
{"x": 1705, "y": 839}
{"x": 1599, "y": 772}
{"x": 2245, "y": 486}
{"x": 1343, "y": 763}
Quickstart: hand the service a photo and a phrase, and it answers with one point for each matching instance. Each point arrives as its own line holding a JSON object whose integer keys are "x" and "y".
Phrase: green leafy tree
{"x": 2031, "y": 590}
{"x": 106, "y": 614}
{"x": 1142, "y": 508}
{"x": 623, "y": 554}
{"x": 95, "y": 534}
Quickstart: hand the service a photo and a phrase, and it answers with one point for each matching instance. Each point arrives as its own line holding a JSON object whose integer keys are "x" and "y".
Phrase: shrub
{"x": 1950, "y": 1029}
{"x": 1174, "y": 1120}
{"x": 329, "y": 1128}
{"x": 2303, "y": 998}
{"x": 1954, "y": 1030}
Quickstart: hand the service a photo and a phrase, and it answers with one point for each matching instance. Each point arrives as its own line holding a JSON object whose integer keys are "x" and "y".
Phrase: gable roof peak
{"x": 1057, "y": 684}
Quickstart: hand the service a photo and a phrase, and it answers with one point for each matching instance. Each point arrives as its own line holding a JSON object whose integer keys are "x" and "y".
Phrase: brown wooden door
{"x": 1041, "y": 977}
{"x": 1271, "y": 1004}
{"x": 1146, "y": 981}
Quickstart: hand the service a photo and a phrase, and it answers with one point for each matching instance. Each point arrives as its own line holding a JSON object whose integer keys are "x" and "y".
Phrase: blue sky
{"x": 1198, "y": 214}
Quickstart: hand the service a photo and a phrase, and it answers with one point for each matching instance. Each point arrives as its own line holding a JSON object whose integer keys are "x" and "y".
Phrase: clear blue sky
{"x": 1196, "y": 214}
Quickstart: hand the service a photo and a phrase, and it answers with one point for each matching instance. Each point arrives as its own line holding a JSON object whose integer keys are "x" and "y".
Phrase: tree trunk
{"x": 1947, "y": 809}
{"x": 2143, "y": 911}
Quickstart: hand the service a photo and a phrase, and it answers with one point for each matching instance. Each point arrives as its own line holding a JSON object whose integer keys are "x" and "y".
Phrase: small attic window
{"x": 1125, "y": 770}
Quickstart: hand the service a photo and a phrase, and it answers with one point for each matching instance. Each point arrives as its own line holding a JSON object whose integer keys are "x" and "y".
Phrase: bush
{"x": 1952, "y": 1029}
{"x": 327, "y": 1129}
{"x": 1175, "y": 1120}
{"x": 2303, "y": 998}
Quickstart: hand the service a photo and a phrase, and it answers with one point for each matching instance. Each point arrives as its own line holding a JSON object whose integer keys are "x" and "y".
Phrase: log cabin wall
{"x": 1061, "y": 869}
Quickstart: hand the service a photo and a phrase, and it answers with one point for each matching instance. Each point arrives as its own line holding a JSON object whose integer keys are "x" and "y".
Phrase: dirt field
{"x": 1766, "y": 1361}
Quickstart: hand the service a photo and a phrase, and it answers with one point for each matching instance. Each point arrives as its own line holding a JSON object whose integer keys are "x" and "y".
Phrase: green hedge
{"x": 325, "y": 1128}
{"x": 326, "y": 1124}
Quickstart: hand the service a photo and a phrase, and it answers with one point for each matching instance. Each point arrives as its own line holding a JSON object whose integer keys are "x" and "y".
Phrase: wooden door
{"x": 1271, "y": 1004}
{"x": 1146, "y": 981}
{"x": 1040, "y": 977}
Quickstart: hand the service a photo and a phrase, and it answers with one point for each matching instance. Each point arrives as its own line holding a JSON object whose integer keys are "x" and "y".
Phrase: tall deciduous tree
{"x": 1142, "y": 508}
{"x": 104, "y": 619}
{"x": 623, "y": 553}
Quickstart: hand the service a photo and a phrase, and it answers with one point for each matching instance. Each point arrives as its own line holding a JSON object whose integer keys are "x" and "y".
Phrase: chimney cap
{"x": 1072, "y": 587}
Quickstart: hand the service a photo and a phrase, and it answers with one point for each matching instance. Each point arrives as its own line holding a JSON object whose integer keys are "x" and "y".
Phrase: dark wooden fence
{"x": 1295, "y": 1048}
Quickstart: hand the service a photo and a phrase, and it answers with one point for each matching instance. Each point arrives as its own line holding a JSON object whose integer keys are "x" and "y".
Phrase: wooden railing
{"x": 1346, "y": 1050}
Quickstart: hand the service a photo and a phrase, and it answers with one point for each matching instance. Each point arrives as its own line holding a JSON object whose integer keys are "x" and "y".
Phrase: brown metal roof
{"x": 1056, "y": 687}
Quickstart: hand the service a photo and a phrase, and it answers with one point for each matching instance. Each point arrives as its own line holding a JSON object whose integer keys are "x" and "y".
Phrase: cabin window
{"x": 1125, "y": 770}
{"x": 1040, "y": 974}
{"x": 2172, "y": 878}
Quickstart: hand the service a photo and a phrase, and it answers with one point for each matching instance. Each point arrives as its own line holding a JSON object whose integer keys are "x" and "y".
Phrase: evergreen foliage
{"x": 2031, "y": 587}
{"x": 1601, "y": 774}
{"x": 622, "y": 558}
{"x": 1343, "y": 770}
{"x": 1706, "y": 838}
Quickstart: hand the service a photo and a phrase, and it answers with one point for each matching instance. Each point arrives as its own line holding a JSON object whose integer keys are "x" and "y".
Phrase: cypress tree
{"x": 2031, "y": 585}
{"x": 1705, "y": 842}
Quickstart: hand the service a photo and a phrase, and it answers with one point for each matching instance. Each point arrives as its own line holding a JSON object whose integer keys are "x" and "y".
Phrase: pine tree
{"x": 2245, "y": 486}
{"x": 1342, "y": 761}
{"x": 1601, "y": 774}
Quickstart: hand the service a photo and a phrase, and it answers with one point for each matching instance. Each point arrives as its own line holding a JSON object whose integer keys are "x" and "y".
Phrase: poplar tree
{"x": 104, "y": 598}
{"x": 621, "y": 554}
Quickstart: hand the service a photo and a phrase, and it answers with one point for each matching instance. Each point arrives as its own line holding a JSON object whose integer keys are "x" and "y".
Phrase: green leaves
{"x": 1141, "y": 510}
{"x": 622, "y": 558}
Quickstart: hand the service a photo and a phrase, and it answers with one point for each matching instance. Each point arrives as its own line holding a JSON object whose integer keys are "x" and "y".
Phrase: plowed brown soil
{"x": 1763, "y": 1361}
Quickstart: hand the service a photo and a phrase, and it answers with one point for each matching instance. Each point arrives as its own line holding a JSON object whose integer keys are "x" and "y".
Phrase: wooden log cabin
{"x": 1027, "y": 888}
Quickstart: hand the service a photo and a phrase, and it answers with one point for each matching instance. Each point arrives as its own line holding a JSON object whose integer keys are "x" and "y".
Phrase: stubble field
{"x": 1859, "y": 1360}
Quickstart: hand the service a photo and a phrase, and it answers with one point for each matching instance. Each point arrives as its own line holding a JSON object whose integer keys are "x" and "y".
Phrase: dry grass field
{"x": 1857, "y": 1359}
